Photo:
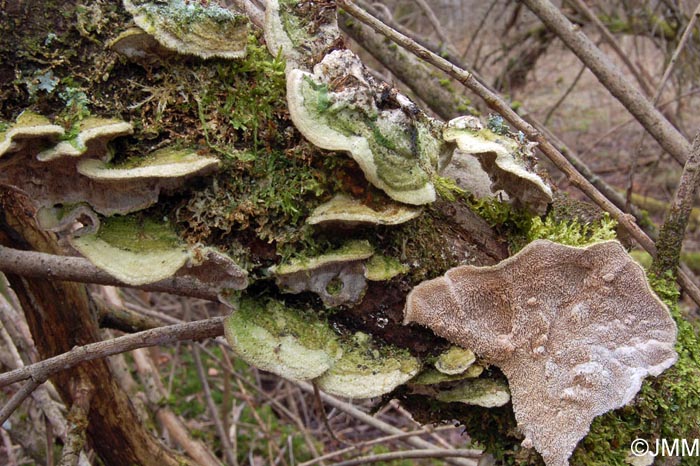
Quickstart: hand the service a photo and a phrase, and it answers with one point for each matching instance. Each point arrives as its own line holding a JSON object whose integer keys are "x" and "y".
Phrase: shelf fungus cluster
{"x": 297, "y": 344}
{"x": 189, "y": 28}
{"x": 574, "y": 330}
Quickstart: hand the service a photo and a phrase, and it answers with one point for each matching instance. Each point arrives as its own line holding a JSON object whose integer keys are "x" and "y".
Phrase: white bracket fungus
{"x": 28, "y": 127}
{"x": 575, "y": 330}
{"x": 501, "y": 157}
{"x": 139, "y": 251}
{"x": 294, "y": 345}
{"x": 92, "y": 138}
{"x": 139, "y": 46}
{"x": 337, "y": 277}
{"x": 341, "y": 107}
{"x": 455, "y": 360}
{"x": 301, "y": 30}
{"x": 488, "y": 393}
{"x": 348, "y": 212}
{"x": 192, "y": 28}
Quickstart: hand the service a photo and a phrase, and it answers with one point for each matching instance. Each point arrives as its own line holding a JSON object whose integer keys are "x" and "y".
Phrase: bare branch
{"x": 78, "y": 418}
{"x": 17, "y": 400}
{"x": 668, "y": 137}
{"x": 41, "y": 371}
{"x": 410, "y": 454}
{"x": 78, "y": 269}
{"x": 434, "y": 22}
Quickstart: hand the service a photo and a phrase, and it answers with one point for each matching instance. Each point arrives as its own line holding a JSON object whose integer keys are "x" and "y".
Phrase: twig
{"x": 42, "y": 370}
{"x": 499, "y": 105}
{"x": 17, "y": 400}
{"x": 402, "y": 455}
{"x": 383, "y": 426}
{"x": 77, "y": 269}
{"x": 676, "y": 53}
{"x": 324, "y": 417}
{"x": 225, "y": 443}
{"x": 613, "y": 43}
{"x": 7, "y": 443}
{"x": 78, "y": 418}
{"x": 476, "y": 32}
{"x": 434, "y": 22}
{"x": 673, "y": 229}
{"x": 668, "y": 137}
{"x": 564, "y": 96}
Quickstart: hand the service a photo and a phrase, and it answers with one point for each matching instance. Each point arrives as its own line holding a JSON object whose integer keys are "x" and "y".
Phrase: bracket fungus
{"x": 501, "y": 157}
{"x": 293, "y": 344}
{"x": 27, "y": 127}
{"x": 488, "y": 393}
{"x": 192, "y": 28}
{"x": 575, "y": 330}
{"x": 139, "y": 46}
{"x": 301, "y": 30}
{"x": 139, "y": 250}
{"x": 337, "y": 277}
{"x": 92, "y": 138}
{"x": 341, "y": 107}
{"x": 347, "y": 212}
{"x": 455, "y": 360}
{"x": 368, "y": 369}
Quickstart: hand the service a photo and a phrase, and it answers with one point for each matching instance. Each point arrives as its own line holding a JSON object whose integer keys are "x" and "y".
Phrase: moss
{"x": 571, "y": 233}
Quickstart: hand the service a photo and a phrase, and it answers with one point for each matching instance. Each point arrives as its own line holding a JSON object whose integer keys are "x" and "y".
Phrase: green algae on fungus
{"x": 399, "y": 149}
{"x": 582, "y": 323}
{"x": 91, "y": 139}
{"x": 502, "y": 158}
{"x": 347, "y": 212}
{"x": 163, "y": 163}
{"x": 368, "y": 369}
{"x": 337, "y": 276}
{"x": 431, "y": 376}
{"x": 381, "y": 268}
{"x": 301, "y": 31}
{"x": 488, "y": 393}
{"x": 28, "y": 126}
{"x": 192, "y": 28}
{"x": 293, "y": 343}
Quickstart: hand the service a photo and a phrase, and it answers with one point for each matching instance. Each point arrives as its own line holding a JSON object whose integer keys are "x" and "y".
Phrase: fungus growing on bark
{"x": 139, "y": 46}
{"x": 433, "y": 376}
{"x": 28, "y": 126}
{"x": 337, "y": 277}
{"x": 575, "y": 330}
{"x": 139, "y": 250}
{"x": 368, "y": 369}
{"x": 455, "y": 360}
{"x": 304, "y": 32}
{"x": 348, "y": 212}
{"x": 488, "y": 393}
{"x": 192, "y": 28}
{"x": 293, "y": 344}
{"x": 381, "y": 268}
{"x": 341, "y": 107}
{"x": 503, "y": 159}
{"x": 92, "y": 138}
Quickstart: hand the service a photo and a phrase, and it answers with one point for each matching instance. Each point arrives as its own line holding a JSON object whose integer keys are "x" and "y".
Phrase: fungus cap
{"x": 346, "y": 211}
{"x": 575, "y": 330}
{"x": 488, "y": 393}
{"x": 27, "y": 126}
{"x": 455, "y": 360}
{"x": 92, "y": 138}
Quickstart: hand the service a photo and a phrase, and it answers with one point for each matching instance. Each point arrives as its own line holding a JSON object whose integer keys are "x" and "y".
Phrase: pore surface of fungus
{"x": 292, "y": 343}
{"x": 503, "y": 158}
{"x": 575, "y": 330}
{"x": 338, "y": 277}
{"x": 346, "y": 211}
{"x": 192, "y": 28}
{"x": 341, "y": 107}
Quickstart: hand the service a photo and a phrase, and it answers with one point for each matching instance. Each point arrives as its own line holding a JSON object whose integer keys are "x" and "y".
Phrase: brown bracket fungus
{"x": 346, "y": 211}
{"x": 192, "y": 28}
{"x": 92, "y": 138}
{"x": 293, "y": 344}
{"x": 28, "y": 126}
{"x": 302, "y": 31}
{"x": 341, "y": 107}
{"x": 501, "y": 157}
{"x": 337, "y": 277}
{"x": 575, "y": 330}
